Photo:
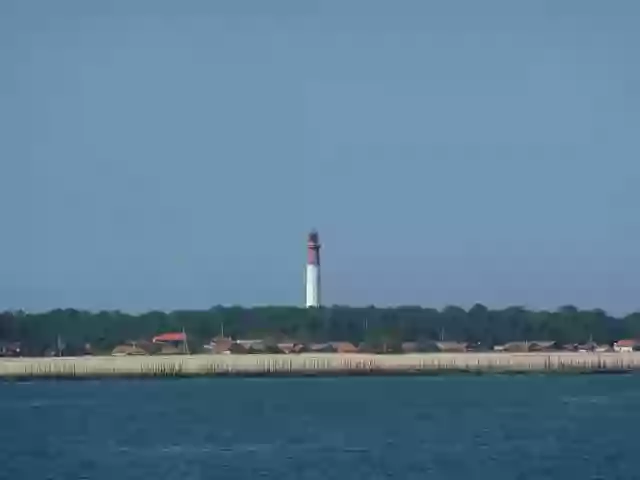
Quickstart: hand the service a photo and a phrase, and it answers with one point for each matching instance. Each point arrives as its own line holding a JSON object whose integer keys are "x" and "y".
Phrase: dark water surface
{"x": 462, "y": 427}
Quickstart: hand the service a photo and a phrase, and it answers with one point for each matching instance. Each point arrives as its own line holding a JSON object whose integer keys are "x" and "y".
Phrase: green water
{"x": 460, "y": 427}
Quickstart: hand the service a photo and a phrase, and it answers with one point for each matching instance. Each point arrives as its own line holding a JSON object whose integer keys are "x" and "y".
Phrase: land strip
{"x": 315, "y": 364}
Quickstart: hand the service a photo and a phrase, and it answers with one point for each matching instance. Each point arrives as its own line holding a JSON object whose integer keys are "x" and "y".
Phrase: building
{"x": 624, "y": 346}
{"x": 313, "y": 271}
{"x": 127, "y": 350}
{"x": 172, "y": 341}
{"x": 344, "y": 347}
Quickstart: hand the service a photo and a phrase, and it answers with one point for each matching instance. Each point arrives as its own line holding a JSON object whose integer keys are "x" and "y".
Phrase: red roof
{"x": 626, "y": 343}
{"x": 170, "y": 337}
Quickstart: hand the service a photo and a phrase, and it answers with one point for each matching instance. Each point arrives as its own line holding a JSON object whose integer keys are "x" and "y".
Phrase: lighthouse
{"x": 313, "y": 270}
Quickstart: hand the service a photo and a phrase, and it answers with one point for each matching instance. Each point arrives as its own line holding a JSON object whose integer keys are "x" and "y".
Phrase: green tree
{"x": 104, "y": 330}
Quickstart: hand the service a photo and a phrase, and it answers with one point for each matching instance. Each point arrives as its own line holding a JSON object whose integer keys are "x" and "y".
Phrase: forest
{"x": 40, "y": 332}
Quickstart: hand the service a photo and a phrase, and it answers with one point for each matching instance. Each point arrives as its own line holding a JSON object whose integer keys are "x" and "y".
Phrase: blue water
{"x": 494, "y": 427}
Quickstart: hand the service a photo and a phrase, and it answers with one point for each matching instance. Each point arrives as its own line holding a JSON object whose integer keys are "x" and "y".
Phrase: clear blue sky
{"x": 174, "y": 154}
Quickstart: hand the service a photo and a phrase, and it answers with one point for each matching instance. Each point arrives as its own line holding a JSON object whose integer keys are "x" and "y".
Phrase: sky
{"x": 173, "y": 155}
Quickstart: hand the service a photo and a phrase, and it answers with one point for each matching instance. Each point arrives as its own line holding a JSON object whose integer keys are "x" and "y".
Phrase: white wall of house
{"x": 622, "y": 349}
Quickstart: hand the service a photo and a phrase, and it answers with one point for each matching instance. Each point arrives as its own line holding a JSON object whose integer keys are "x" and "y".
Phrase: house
{"x": 367, "y": 347}
{"x": 169, "y": 349}
{"x": 569, "y": 347}
{"x": 344, "y": 347}
{"x": 588, "y": 347}
{"x": 225, "y": 345}
{"x": 528, "y": 346}
{"x": 170, "y": 337}
{"x": 126, "y": 350}
{"x": 516, "y": 347}
{"x": 287, "y": 347}
{"x": 478, "y": 347}
{"x": 220, "y": 345}
{"x": 451, "y": 346}
{"x": 623, "y": 346}
{"x": 542, "y": 345}
{"x": 428, "y": 346}
{"x": 248, "y": 344}
{"x": 10, "y": 349}
{"x": 235, "y": 348}
{"x": 171, "y": 343}
{"x": 380, "y": 347}
{"x": 410, "y": 347}
{"x": 253, "y": 346}
{"x": 291, "y": 347}
{"x": 320, "y": 348}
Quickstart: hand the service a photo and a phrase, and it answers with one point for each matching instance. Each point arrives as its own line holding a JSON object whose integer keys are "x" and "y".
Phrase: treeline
{"x": 38, "y": 333}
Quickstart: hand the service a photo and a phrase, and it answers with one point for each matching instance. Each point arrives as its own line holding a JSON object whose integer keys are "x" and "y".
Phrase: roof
{"x": 321, "y": 347}
{"x": 627, "y": 343}
{"x": 249, "y": 342}
{"x": 541, "y": 343}
{"x": 128, "y": 350}
{"x": 290, "y": 347}
{"x": 170, "y": 337}
{"x": 221, "y": 346}
{"x": 410, "y": 346}
{"x": 221, "y": 338}
{"x": 344, "y": 347}
{"x": 451, "y": 345}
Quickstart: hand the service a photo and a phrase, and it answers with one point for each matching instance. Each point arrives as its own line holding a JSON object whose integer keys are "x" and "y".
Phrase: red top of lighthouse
{"x": 314, "y": 238}
{"x": 313, "y": 248}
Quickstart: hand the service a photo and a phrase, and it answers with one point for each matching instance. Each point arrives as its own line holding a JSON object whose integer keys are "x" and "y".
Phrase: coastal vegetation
{"x": 74, "y": 330}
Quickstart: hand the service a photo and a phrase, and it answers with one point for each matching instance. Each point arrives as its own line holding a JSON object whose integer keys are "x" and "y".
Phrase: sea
{"x": 443, "y": 427}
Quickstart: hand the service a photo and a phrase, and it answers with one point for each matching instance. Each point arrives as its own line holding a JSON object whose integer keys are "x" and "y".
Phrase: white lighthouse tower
{"x": 313, "y": 270}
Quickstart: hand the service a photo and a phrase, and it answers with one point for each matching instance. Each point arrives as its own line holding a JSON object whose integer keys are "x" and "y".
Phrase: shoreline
{"x": 328, "y": 364}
